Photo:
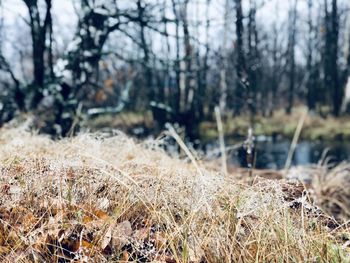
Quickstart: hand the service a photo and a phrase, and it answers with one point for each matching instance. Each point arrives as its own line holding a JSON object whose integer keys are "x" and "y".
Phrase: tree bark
{"x": 311, "y": 84}
{"x": 337, "y": 94}
{"x": 241, "y": 84}
{"x": 38, "y": 34}
{"x": 291, "y": 55}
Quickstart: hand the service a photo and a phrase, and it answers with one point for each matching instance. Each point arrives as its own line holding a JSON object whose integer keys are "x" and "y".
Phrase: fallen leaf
{"x": 125, "y": 257}
{"x": 160, "y": 240}
{"x": 101, "y": 214}
{"x": 106, "y": 238}
{"x": 121, "y": 234}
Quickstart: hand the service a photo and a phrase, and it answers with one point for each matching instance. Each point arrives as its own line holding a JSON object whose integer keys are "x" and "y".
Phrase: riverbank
{"x": 278, "y": 125}
{"x": 282, "y": 125}
{"x": 97, "y": 198}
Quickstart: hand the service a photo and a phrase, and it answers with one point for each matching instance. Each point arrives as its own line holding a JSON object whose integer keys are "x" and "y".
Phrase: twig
{"x": 295, "y": 140}
{"x": 183, "y": 146}
{"x": 75, "y": 120}
{"x": 221, "y": 140}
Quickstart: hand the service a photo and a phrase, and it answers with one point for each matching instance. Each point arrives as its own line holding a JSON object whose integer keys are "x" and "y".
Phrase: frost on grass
{"x": 99, "y": 198}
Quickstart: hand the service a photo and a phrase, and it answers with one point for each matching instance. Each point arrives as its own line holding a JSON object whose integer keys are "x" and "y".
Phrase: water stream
{"x": 272, "y": 154}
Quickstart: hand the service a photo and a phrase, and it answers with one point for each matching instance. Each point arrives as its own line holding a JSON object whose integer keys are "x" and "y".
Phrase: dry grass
{"x": 125, "y": 121}
{"x": 94, "y": 198}
{"x": 314, "y": 128}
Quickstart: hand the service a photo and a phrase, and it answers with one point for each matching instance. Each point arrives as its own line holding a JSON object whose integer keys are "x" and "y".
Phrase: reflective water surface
{"x": 272, "y": 154}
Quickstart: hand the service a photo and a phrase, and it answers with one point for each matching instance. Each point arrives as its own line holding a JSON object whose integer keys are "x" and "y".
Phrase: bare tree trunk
{"x": 310, "y": 67}
{"x": 38, "y": 34}
{"x": 83, "y": 57}
{"x": 274, "y": 82}
{"x": 50, "y": 49}
{"x": 82, "y": 62}
{"x": 188, "y": 71}
{"x": 223, "y": 81}
{"x": 167, "y": 82}
{"x": 253, "y": 59}
{"x": 241, "y": 85}
{"x": 346, "y": 73}
{"x": 206, "y": 58}
{"x": 199, "y": 91}
{"x": 177, "y": 96}
{"x": 326, "y": 54}
{"x": 337, "y": 93}
{"x": 18, "y": 92}
{"x": 291, "y": 55}
{"x": 146, "y": 56}
{"x": 330, "y": 56}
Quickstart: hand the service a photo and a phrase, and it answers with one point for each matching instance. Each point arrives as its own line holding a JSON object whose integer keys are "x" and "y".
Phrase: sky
{"x": 65, "y": 17}
{"x": 14, "y": 13}
{"x": 64, "y": 13}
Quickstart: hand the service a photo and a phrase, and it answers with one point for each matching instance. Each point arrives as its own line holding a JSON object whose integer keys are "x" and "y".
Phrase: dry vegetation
{"x": 314, "y": 128}
{"x": 95, "y": 198}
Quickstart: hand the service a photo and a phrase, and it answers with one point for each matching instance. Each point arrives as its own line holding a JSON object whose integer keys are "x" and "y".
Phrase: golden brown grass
{"x": 94, "y": 198}
{"x": 314, "y": 128}
{"x": 125, "y": 121}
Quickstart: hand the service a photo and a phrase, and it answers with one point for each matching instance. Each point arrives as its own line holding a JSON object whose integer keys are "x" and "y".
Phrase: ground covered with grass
{"x": 96, "y": 198}
{"x": 314, "y": 127}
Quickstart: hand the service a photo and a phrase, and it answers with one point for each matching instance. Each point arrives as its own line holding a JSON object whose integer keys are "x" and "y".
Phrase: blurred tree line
{"x": 162, "y": 56}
